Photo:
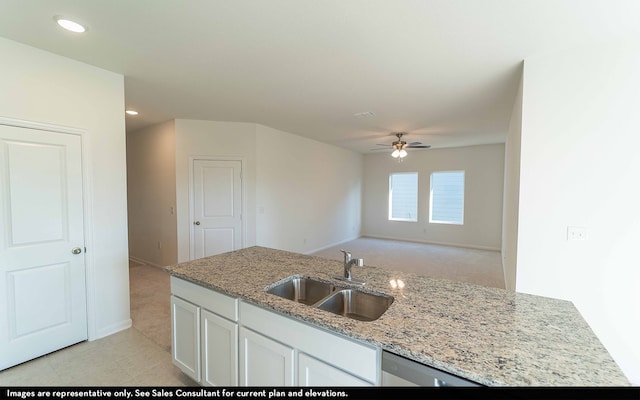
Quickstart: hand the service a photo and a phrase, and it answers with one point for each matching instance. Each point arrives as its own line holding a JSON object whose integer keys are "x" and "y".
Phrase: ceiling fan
{"x": 400, "y": 145}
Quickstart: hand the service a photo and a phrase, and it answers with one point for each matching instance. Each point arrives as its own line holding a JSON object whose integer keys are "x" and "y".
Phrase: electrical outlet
{"x": 576, "y": 233}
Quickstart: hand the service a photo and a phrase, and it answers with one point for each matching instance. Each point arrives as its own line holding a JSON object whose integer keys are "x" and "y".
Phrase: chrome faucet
{"x": 349, "y": 262}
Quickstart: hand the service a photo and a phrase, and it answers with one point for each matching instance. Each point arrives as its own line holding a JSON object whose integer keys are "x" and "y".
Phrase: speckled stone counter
{"x": 486, "y": 335}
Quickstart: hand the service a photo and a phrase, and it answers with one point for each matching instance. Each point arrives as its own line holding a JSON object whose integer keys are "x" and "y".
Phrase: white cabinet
{"x": 263, "y": 361}
{"x": 313, "y": 372}
{"x": 185, "y": 335}
{"x": 320, "y": 358}
{"x": 219, "y": 350}
{"x": 204, "y": 333}
{"x": 221, "y": 341}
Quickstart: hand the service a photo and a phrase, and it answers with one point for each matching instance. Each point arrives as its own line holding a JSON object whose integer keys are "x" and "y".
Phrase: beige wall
{"x": 302, "y": 199}
{"x": 484, "y": 179}
{"x": 39, "y": 86}
{"x": 580, "y": 167}
{"x": 511, "y": 191}
{"x": 308, "y": 193}
{"x": 151, "y": 194}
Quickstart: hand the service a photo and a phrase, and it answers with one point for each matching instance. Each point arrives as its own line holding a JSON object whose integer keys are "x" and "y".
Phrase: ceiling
{"x": 445, "y": 71}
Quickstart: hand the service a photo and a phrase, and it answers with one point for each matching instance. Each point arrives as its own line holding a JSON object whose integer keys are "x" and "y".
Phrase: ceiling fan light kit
{"x": 399, "y": 153}
{"x": 399, "y": 146}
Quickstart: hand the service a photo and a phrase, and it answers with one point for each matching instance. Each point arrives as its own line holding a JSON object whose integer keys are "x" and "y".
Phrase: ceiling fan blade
{"x": 417, "y": 147}
{"x": 380, "y": 144}
{"x": 414, "y": 143}
{"x": 377, "y": 149}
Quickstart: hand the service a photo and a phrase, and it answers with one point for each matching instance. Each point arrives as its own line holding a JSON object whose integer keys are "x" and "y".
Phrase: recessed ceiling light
{"x": 69, "y": 25}
{"x": 131, "y": 112}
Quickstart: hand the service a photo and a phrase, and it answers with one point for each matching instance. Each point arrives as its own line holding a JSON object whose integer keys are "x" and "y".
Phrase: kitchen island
{"x": 485, "y": 335}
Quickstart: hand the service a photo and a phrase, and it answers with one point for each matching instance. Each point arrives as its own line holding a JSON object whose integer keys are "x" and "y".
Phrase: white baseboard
{"x": 141, "y": 261}
{"x": 466, "y": 246}
{"x": 113, "y": 328}
{"x": 331, "y": 245}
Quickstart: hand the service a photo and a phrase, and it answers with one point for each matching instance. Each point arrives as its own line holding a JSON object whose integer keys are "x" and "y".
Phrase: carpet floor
{"x": 480, "y": 267}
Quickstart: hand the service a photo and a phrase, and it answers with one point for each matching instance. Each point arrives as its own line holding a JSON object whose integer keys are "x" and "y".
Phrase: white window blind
{"x": 447, "y": 197}
{"x": 403, "y": 196}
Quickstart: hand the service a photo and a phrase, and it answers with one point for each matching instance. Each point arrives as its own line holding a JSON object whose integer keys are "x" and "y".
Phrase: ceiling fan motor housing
{"x": 399, "y": 144}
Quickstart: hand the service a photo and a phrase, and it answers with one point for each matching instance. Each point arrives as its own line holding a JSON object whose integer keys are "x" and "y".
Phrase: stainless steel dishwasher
{"x": 400, "y": 371}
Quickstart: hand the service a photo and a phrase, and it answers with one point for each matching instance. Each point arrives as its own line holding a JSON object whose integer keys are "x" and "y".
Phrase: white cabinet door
{"x": 264, "y": 362}
{"x": 219, "y": 350}
{"x": 356, "y": 359}
{"x": 313, "y": 372}
{"x": 185, "y": 336}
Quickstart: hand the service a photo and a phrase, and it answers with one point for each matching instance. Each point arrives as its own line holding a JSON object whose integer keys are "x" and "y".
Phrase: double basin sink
{"x": 348, "y": 302}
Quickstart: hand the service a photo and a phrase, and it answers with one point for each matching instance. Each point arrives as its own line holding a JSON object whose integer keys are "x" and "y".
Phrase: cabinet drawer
{"x": 356, "y": 358}
{"x": 221, "y": 304}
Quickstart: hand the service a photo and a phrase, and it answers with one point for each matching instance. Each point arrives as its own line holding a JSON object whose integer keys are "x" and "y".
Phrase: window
{"x": 403, "y": 196}
{"x": 447, "y": 197}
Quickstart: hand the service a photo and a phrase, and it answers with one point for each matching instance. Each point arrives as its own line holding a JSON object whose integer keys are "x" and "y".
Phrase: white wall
{"x": 511, "y": 191}
{"x": 195, "y": 138}
{"x": 40, "y": 86}
{"x": 484, "y": 180}
{"x": 580, "y": 167}
{"x": 151, "y": 194}
{"x": 308, "y": 193}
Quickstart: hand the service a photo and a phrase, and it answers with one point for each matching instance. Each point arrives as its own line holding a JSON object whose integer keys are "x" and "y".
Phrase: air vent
{"x": 364, "y": 114}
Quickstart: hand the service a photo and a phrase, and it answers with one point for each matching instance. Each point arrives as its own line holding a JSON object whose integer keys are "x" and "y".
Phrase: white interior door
{"x": 217, "y": 207}
{"x": 42, "y": 269}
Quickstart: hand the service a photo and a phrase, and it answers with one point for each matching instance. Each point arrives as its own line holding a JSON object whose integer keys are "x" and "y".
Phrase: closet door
{"x": 42, "y": 265}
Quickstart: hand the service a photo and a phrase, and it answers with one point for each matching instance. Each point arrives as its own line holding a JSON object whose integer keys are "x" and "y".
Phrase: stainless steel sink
{"x": 303, "y": 290}
{"x": 351, "y": 303}
{"x": 356, "y": 304}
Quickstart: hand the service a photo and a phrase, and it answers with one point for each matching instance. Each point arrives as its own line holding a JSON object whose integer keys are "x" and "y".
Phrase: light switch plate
{"x": 576, "y": 233}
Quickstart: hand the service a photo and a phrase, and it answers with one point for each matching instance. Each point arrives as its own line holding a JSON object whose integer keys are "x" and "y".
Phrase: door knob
{"x": 76, "y": 250}
{"x": 197, "y": 223}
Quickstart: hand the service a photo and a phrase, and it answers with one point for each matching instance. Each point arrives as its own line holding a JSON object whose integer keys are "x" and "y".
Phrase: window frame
{"x": 390, "y": 197}
{"x": 445, "y": 222}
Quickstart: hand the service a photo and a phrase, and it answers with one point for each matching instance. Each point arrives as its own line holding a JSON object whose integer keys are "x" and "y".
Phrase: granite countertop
{"x": 487, "y": 335}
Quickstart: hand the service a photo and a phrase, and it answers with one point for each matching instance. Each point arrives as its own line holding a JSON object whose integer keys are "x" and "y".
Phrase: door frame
{"x": 87, "y": 202}
{"x": 243, "y": 197}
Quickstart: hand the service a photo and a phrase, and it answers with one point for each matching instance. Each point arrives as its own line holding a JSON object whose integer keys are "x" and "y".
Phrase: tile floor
{"x": 138, "y": 356}
{"x": 149, "y": 289}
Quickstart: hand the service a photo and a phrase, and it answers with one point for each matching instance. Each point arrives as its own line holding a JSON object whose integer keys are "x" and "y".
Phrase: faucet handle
{"x": 358, "y": 262}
